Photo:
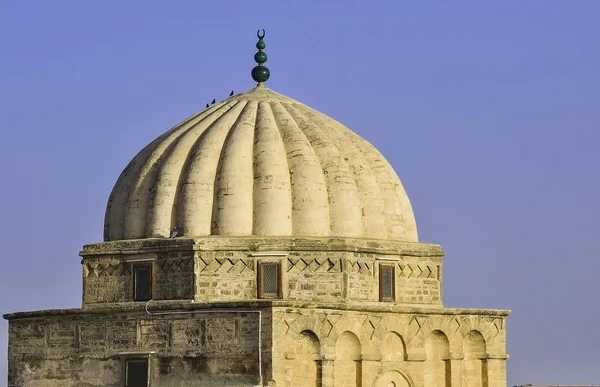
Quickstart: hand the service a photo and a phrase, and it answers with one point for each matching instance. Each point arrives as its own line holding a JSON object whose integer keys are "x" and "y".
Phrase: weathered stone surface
{"x": 358, "y": 348}
{"x": 203, "y": 345}
{"x": 220, "y": 269}
{"x": 77, "y": 348}
{"x": 260, "y": 183}
{"x": 259, "y": 163}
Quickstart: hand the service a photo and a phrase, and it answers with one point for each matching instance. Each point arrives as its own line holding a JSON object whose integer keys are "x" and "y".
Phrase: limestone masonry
{"x": 259, "y": 243}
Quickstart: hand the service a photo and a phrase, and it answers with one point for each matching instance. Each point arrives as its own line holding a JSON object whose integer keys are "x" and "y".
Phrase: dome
{"x": 259, "y": 164}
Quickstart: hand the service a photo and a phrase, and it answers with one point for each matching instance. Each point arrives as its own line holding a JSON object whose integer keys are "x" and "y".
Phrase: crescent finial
{"x": 260, "y": 73}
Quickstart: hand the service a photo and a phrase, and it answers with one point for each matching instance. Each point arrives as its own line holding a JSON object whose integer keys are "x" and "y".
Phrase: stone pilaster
{"x": 454, "y": 364}
{"x": 494, "y": 368}
{"x": 370, "y": 368}
{"x": 327, "y": 372}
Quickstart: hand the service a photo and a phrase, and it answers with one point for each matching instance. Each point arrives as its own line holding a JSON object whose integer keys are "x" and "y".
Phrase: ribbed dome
{"x": 259, "y": 163}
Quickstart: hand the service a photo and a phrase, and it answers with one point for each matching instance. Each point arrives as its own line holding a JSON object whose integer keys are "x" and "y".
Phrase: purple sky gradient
{"x": 488, "y": 111}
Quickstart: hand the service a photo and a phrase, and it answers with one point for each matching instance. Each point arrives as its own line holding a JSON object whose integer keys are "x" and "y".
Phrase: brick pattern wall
{"x": 174, "y": 276}
{"x": 419, "y": 281}
{"x": 109, "y": 279}
{"x": 362, "y": 283}
{"x": 231, "y": 276}
{"x": 311, "y": 275}
{"x": 225, "y": 276}
{"x": 106, "y": 279}
{"x": 80, "y": 350}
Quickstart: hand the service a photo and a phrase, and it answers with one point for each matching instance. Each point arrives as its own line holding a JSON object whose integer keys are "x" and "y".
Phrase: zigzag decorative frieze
{"x": 176, "y": 265}
{"x": 360, "y": 267}
{"x": 370, "y": 328}
{"x": 96, "y": 269}
{"x": 418, "y": 270}
{"x": 225, "y": 265}
{"x": 493, "y": 325}
{"x": 454, "y": 325}
{"x": 314, "y": 265}
{"x": 416, "y": 323}
{"x": 125, "y": 270}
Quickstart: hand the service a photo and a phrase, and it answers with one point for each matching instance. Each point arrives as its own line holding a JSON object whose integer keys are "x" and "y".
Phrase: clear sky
{"x": 488, "y": 111}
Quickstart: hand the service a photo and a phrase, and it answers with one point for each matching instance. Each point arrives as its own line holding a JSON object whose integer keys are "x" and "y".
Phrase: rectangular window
{"x": 136, "y": 373}
{"x": 387, "y": 283}
{"x": 269, "y": 280}
{"x": 142, "y": 281}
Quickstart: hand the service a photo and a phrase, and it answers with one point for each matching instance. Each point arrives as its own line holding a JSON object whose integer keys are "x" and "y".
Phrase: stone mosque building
{"x": 259, "y": 243}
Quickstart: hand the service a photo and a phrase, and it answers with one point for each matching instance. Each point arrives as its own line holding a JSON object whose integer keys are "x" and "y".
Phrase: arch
{"x": 474, "y": 344}
{"x": 473, "y": 367}
{"x": 308, "y": 343}
{"x": 437, "y": 369}
{"x": 486, "y": 326}
{"x": 394, "y": 378}
{"x": 350, "y": 324}
{"x": 437, "y": 346}
{"x": 307, "y": 323}
{"x": 347, "y": 367}
{"x": 348, "y": 346}
{"x": 393, "y": 347}
{"x": 306, "y": 363}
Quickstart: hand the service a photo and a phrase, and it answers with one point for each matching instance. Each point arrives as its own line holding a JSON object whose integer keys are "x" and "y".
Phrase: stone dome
{"x": 259, "y": 164}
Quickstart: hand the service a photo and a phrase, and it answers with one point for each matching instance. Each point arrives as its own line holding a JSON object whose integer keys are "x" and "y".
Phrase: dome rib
{"x": 138, "y": 205}
{"x": 310, "y": 205}
{"x": 344, "y": 203}
{"x": 163, "y": 196}
{"x": 232, "y": 209}
{"x": 136, "y": 210}
{"x": 115, "y": 214}
{"x": 272, "y": 185}
{"x": 393, "y": 192}
{"x": 198, "y": 180}
{"x": 374, "y": 223}
{"x": 259, "y": 163}
{"x": 136, "y": 222}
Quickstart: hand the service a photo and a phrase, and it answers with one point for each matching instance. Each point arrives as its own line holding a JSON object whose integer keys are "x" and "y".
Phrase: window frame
{"x": 392, "y": 268}
{"x": 144, "y": 359}
{"x": 259, "y": 280}
{"x": 134, "y": 268}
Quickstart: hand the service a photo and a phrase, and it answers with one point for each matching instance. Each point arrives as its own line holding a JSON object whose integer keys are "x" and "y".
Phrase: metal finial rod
{"x": 260, "y": 73}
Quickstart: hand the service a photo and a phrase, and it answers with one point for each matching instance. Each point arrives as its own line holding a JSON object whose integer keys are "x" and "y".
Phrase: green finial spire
{"x": 260, "y": 73}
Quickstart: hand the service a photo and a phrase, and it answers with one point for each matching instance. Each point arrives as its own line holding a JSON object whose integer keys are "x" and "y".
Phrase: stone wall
{"x": 225, "y": 276}
{"x": 222, "y": 272}
{"x": 333, "y": 348}
{"x": 106, "y": 279}
{"x": 303, "y": 345}
{"x": 89, "y": 349}
{"x": 419, "y": 280}
{"x": 109, "y": 278}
